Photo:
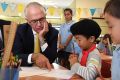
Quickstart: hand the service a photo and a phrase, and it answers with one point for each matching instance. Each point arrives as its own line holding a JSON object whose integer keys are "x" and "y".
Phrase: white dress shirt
{"x": 43, "y": 47}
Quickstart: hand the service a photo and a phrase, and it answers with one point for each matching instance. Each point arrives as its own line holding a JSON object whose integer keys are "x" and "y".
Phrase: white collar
{"x": 69, "y": 22}
{"x": 34, "y": 32}
{"x": 117, "y": 47}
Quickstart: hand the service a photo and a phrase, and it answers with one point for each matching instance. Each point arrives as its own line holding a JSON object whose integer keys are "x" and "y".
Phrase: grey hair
{"x": 34, "y": 4}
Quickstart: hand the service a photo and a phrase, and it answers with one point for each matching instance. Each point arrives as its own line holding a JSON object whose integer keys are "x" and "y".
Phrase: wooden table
{"x": 55, "y": 66}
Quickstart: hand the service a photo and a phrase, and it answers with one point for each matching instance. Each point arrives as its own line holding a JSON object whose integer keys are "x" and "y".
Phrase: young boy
{"x": 112, "y": 17}
{"x": 86, "y": 32}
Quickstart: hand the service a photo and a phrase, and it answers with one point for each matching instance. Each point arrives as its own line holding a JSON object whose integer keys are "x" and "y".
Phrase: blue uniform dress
{"x": 116, "y": 63}
{"x": 101, "y": 46}
{"x": 65, "y": 32}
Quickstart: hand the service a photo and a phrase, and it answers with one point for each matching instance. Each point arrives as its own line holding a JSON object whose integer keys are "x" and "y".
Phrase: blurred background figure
{"x": 65, "y": 39}
{"x": 66, "y": 44}
{"x": 105, "y": 45}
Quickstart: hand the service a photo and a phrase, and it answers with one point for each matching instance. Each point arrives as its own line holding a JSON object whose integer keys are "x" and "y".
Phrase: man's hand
{"x": 73, "y": 58}
{"x": 44, "y": 31}
{"x": 41, "y": 61}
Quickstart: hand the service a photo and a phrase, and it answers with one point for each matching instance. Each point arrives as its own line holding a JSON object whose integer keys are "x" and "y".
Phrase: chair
{"x": 105, "y": 70}
{"x": 106, "y": 65}
{"x": 9, "y": 35}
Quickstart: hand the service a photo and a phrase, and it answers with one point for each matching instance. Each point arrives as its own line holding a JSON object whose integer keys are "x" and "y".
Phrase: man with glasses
{"x": 24, "y": 43}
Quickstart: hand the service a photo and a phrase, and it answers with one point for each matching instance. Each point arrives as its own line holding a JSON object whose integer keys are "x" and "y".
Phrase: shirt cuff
{"x": 75, "y": 67}
{"x": 44, "y": 46}
{"x": 30, "y": 59}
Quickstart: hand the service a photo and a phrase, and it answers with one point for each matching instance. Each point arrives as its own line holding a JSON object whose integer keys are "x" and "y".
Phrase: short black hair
{"x": 68, "y": 9}
{"x": 112, "y": 7}
{"x": 87, "y": 28}
{"x": 106, "y": 36}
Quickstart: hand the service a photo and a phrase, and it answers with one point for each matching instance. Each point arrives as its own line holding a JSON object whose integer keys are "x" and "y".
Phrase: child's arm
{"x": 59, "y": 42}
{"x": 68, "y": 40}
{"x": 73, "y": 58}
{"x": 89, "y": 72}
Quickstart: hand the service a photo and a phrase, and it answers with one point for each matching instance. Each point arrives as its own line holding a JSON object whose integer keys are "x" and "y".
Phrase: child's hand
{"x": 61, "y": 47}
{"x": 73, "y": 58}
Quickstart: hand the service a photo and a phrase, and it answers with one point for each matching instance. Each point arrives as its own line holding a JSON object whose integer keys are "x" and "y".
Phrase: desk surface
{"x": 104, "y": 57}
{"x": 55, "y": 66}
{"x": 75, "y": 77}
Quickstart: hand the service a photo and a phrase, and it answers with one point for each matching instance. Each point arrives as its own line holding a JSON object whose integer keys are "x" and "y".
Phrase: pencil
{"x": 73, "y": 47}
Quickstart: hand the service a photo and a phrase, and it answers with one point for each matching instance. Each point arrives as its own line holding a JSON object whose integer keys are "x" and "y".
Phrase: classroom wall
{"x": 81, "y": 9}
{"x": 86, "y": 5}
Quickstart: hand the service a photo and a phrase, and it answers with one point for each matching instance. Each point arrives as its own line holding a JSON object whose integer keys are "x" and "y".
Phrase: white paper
{"x": 57, "y": 73}
{"x": 31, "y": 71}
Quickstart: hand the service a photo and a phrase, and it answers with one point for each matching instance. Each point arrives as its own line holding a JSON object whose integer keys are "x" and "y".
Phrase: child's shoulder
{"x": 94, "y": 55}
{"x": 95, "y": 52}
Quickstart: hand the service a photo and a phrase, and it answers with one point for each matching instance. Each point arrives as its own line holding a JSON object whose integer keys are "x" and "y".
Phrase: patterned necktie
{"x": 37, "y": 44}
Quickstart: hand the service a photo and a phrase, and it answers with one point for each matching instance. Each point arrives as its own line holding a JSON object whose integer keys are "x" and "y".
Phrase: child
{"x": 86, "y": 32}
{"x": 105, "y": 45}
{"x": 65, "y": 42}
{"x": 112, "y": 17}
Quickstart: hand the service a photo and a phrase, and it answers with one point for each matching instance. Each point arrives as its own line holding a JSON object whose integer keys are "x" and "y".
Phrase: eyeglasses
{"x": 40, "y": 20}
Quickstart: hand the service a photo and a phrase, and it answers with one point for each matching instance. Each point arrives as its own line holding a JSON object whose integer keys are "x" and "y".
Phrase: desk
{"x": 55, "y": 66}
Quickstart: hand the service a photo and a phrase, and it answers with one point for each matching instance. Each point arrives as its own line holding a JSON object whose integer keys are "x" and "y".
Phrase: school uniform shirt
{"x": 88, "y": 72}
{"x": 116, "y": 63}
{"x": 65, "y": 32}
{"x": 43, "y": 47}
{"x": 105, "y": 49}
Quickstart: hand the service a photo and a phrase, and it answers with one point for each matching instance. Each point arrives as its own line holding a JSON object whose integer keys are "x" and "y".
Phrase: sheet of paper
{"x": 31, "y": 71}
{"x": 57, "y": 73}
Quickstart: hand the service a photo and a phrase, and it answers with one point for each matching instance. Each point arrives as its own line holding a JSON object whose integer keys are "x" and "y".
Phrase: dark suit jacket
{"x": 24, "y": 43}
